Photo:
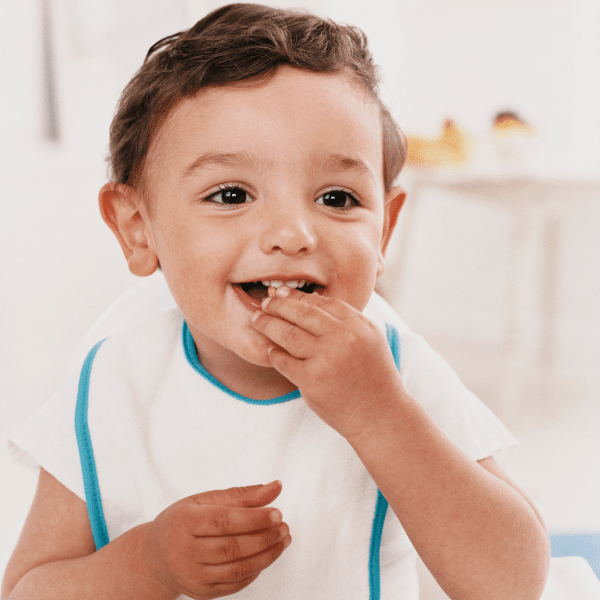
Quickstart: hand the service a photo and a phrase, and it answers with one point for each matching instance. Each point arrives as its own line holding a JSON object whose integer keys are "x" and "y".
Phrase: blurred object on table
{"x": 512, "y": 137}
{"x": 510, "y": 122}
{"x": 450, "y": 147}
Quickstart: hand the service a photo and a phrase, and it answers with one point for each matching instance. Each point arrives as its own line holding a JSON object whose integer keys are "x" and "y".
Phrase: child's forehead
{"x": 295, "y": 113}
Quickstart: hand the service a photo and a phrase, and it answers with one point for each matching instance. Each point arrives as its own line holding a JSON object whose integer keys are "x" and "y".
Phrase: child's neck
{"x": 243, "y": 377}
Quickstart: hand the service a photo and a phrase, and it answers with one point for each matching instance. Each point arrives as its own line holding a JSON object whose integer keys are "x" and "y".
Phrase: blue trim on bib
{"x": 381, "y": 506}
{"x": 374, "y": 550}
{"x": 189, "y": 348}
{"x": 86, "y": 454}
{"x": 393, "y": 338}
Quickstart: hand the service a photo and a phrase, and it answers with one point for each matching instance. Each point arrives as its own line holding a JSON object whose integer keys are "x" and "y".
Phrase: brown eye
{"x": 233, "y": 196}
{"x": 229, "y": 196}
{"x": 337, "y": 199}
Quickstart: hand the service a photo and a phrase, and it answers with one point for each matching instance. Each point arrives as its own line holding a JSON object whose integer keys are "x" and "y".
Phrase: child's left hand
{"x": 338, "y": 358}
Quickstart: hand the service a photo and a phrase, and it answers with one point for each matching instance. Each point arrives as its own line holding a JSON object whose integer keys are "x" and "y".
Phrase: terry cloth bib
{"x": 153, "y": 427}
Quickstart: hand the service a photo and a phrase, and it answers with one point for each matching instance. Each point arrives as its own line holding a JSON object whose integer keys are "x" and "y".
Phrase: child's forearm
{"x": 117, "y": 571}
{"x": 477, "y": 535}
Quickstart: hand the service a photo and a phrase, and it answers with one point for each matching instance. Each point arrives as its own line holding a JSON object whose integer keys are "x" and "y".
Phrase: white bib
{"x": 160, "y": 428}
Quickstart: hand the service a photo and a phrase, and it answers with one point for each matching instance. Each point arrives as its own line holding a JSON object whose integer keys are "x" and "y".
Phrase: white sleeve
{"x": 464, "y": 418}
{"x": 47, "y": 438}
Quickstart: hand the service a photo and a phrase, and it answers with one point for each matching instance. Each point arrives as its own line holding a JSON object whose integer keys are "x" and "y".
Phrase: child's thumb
{"x": 250, "y": 495}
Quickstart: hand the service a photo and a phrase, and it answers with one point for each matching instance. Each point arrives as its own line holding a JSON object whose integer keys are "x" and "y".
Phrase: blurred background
{"x": 495, "y": 260}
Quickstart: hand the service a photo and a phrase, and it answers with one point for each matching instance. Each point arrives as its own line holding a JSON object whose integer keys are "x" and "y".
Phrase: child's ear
{"x": 124, "y": 212}
{"x": 393, "y": 202}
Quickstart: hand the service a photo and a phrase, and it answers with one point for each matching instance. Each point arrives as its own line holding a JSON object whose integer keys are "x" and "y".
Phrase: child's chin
{"x": 265, "y": 361}
{"x": 258, "y": 355}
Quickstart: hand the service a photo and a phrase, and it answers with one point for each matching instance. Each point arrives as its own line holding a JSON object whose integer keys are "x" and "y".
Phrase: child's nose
{"x": 288, "y": 232}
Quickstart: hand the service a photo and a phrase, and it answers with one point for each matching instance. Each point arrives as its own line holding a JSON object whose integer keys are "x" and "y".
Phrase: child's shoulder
{"x": 165, "y": 323}
{"x": 148, "y": 341}
{"x": 382, "y": 313}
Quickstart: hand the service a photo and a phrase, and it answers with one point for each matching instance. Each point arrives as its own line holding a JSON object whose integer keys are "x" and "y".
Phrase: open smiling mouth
{"x": 258, "y": 291}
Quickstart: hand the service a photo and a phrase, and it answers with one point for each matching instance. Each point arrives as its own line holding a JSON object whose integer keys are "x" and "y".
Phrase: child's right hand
{"x": 216, "y": 543}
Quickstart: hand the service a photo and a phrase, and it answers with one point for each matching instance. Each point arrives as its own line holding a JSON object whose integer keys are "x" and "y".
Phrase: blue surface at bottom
{"x": 586, "y": 545}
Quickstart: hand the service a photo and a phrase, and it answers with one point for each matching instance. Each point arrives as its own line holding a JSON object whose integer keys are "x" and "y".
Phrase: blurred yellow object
{"x": 508, "y": 122}
{"x": 451, "y": 147}
{"x": 513, "y": 138}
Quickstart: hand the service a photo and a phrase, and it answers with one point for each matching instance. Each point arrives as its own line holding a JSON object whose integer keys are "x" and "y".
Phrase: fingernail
{"x": 255, "y": 316}
{"x": 265, "y": 303}
{"x": 287, "y": 541}
{"x": 275, "y": 516}
{"x": 283, "y": 291}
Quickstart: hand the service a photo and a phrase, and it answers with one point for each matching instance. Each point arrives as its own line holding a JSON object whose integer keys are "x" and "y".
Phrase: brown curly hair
{"x": 233, "y": 44}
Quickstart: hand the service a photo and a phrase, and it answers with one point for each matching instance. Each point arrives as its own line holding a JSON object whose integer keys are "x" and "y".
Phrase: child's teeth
{"x": 276, "y": 284}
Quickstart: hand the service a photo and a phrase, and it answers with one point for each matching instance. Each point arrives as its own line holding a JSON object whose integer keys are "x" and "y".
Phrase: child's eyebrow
{"x": 340, "y": 164}
{"x": 231, "y": 159}
{"x": 329, "y": 162}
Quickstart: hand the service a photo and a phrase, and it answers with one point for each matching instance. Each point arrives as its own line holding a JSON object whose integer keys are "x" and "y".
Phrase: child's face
{"x": 281, "y": 148}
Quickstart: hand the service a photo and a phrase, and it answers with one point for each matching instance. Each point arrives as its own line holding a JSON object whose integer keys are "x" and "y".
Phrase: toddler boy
{"x": 253, "y": 161}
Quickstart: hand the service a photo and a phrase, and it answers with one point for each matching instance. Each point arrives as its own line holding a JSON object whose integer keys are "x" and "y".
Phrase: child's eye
{"x": 339, "y": 199}
{"x": 229, "y": 195}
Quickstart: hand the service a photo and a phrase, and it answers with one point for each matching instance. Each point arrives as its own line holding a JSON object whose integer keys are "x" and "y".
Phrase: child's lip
{"x": 249, "y": 302}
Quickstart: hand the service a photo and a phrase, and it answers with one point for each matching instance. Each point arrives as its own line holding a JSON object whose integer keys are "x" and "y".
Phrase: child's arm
{"x": 206, "y": 546}
{"x": 474, "y": 529}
